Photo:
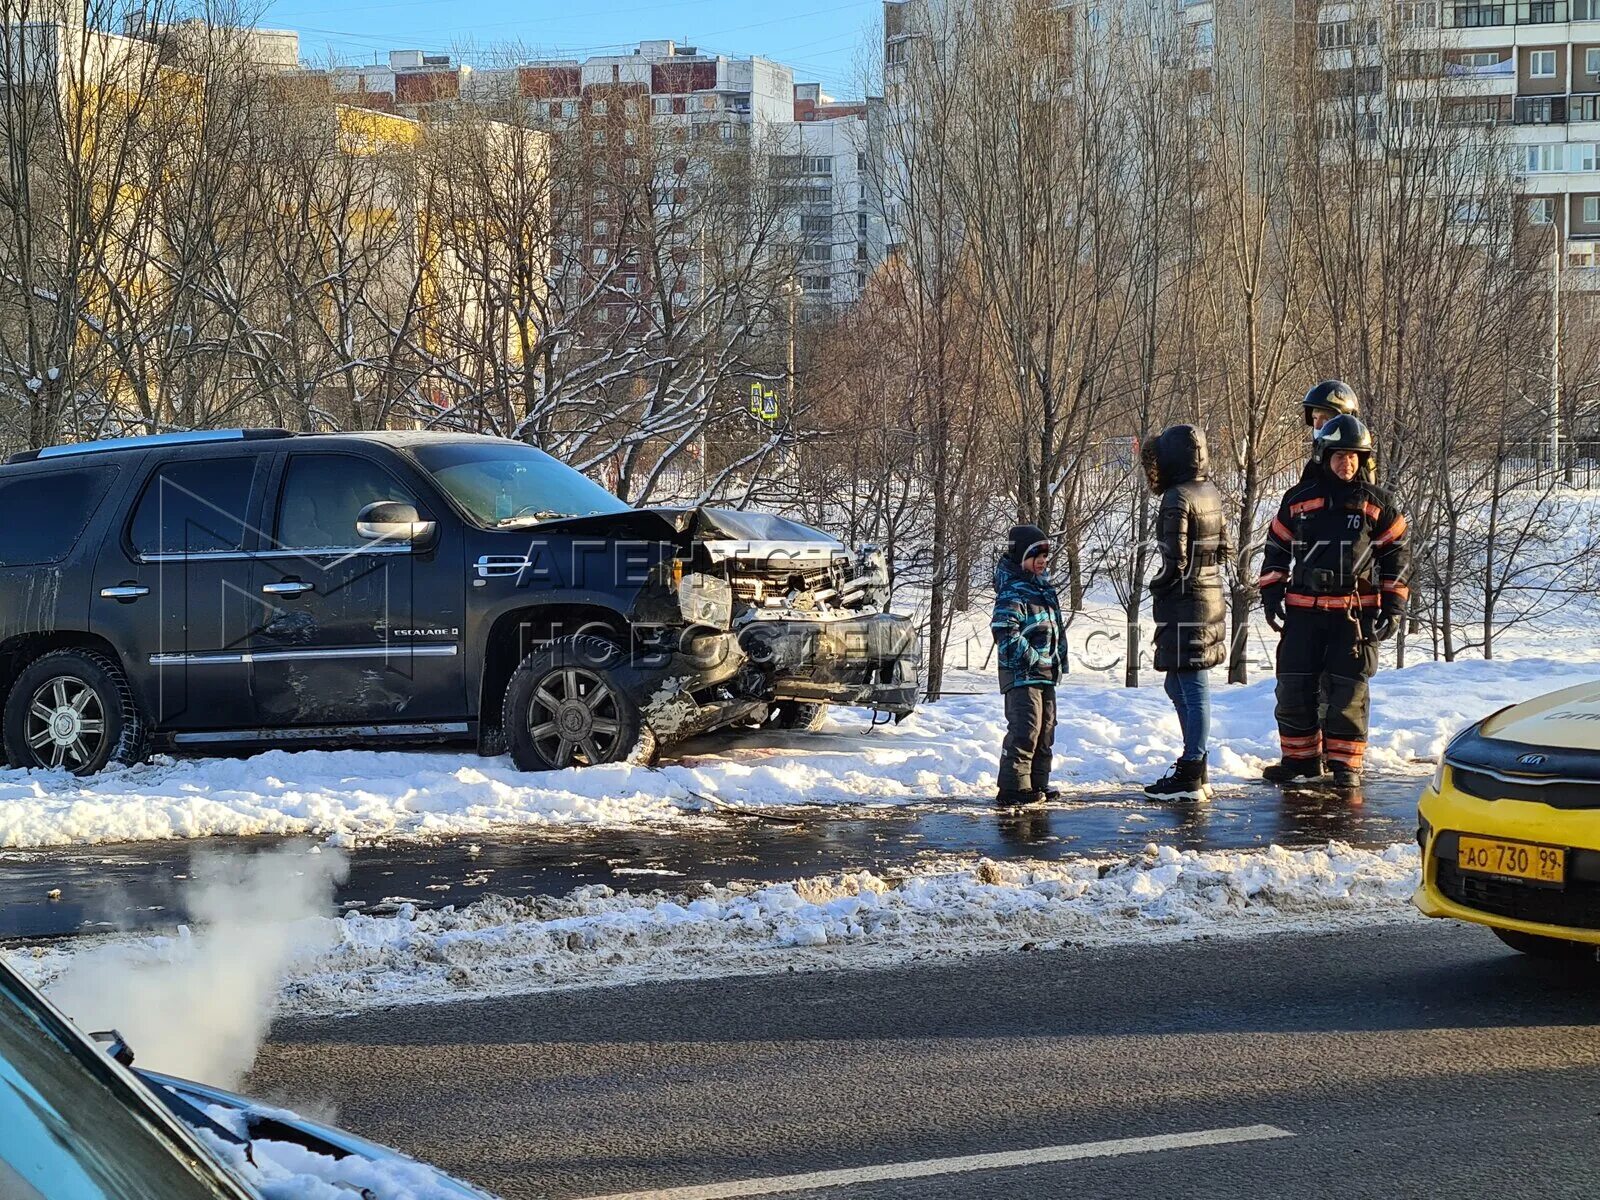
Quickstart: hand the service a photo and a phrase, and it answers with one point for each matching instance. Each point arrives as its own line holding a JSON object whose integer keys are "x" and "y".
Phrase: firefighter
{"x": 1333, "y": 583}
{"x": 1329, "y": 399}
{"x": 1326, "y": 400}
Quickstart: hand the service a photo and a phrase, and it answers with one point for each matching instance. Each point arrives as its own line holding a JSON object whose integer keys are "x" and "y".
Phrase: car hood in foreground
{"x": 1564, "y": 720}
{"x": 234, "y": 1118}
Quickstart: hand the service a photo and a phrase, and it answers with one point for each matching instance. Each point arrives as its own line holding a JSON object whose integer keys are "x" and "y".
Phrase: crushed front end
{"x": 810, "y": 616}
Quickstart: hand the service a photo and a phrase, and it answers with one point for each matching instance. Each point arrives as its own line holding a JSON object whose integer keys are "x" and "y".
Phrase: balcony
{"x": 1459, "y": 15}
{"x": 1529, "y": 12}
{"x": 1540, "y": 110}
{"x": 1583, "y": 108}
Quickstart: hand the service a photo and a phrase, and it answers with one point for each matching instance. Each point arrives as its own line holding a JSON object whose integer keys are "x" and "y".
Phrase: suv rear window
{"x": 195, "y": 506}
{"x": 58, "y": 507}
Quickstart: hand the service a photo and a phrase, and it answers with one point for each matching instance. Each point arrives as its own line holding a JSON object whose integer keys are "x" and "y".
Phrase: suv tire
{"x": 567, "y": 705}
{"x": 72, "y": 710}
{"x": 795, "y": 714}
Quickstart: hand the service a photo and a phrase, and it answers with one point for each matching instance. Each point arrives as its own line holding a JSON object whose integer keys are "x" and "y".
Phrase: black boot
{"x": 1347, "y": 785}
{"x": 1013, "y": 798}
{"x": 1186, "y": 781}
{"x": 1291, "y": 769}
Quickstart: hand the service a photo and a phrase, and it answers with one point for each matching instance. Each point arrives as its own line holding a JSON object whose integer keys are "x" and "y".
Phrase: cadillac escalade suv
{"x": 241, "y": 588}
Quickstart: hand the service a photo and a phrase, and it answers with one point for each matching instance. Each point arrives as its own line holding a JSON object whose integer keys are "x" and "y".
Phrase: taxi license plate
{"x": 1528, "y": 861}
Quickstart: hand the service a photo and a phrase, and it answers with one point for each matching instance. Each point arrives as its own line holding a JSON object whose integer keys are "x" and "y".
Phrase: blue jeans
{"x": 1190, "y": 692}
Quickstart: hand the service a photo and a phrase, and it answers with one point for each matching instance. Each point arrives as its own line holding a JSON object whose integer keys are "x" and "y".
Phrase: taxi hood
{"x": 1564, "y": 720}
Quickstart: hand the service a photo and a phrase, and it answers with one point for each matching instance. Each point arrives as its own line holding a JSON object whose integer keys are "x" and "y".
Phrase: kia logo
{"x": 1531, "y": 760}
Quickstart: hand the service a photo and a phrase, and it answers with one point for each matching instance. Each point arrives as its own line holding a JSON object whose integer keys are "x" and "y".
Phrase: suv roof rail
{"x": 190, "y": 437}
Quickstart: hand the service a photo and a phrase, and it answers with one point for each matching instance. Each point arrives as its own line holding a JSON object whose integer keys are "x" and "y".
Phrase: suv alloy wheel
{"x": 72, "y": 710}
{"x": 567, "y": 706}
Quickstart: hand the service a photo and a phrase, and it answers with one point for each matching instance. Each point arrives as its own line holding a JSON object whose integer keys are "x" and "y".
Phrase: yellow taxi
{"x": 1510, "y": 826}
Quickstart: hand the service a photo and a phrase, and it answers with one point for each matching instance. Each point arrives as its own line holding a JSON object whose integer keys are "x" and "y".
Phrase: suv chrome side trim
{"x": 235, "y": 657}
{"x": 491, "y": 566}
{"x": 320, "y": 552}
{"x": 322, "y": 732}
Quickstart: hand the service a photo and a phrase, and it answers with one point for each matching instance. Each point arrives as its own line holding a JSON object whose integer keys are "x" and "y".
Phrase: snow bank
{"x": 1108, "y": 737}
{"x": 596, "y": 936}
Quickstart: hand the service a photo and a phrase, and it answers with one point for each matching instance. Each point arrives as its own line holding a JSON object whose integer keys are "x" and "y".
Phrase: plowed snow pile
{"x": 598, "y": 937}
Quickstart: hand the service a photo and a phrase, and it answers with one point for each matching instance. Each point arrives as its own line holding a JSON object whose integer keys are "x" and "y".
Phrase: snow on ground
{"x": 1109, "y": 736}
{"x": 597, "y": 936}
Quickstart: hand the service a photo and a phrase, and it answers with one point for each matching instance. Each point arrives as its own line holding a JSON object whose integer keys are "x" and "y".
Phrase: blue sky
{"x": 821, "y": 39}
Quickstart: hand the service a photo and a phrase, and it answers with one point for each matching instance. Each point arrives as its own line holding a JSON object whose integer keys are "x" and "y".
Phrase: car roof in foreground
{"x": 179, "y": 1148}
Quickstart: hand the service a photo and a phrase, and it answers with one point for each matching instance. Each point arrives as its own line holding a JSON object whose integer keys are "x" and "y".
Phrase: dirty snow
{"x": 1109, "y": 736}
{"x": 597, "y": 936}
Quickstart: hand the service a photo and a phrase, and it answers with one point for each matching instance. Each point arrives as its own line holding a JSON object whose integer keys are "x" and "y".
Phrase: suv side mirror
{"x": 394, "y": 521}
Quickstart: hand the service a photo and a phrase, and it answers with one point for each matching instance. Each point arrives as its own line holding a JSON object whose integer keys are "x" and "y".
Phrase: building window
{"x": 822, "y": 253}
{"x": 630, "y": 137}
{"x": 1542, "y": 210}
{"x": 601, "y": 229}
{"x": 1477, "y": 16}
{"x": 1478, "y": 59}
{"x": 598, "y": 108}
{"x": 1541, "y": 12}
{"x": 1541, "y": 64}
{"x": 630, "y": 108}
{"x": 821, "y": 283}
{"x": 630, "y": 285}
{"x": 816, "y": 224}
{"x": 1583, "y": 157}
{"x": 662, "y": 105}
{"x": 1591, "y": 210}
{"x": 598, "y": 137}
{"x": 601, "y": 256}
{"x": 1541, "y": 158}
{"x": 1205, "y": 36}
{"x": 1591, "y": 60}
{"x": 1421, "y": 15}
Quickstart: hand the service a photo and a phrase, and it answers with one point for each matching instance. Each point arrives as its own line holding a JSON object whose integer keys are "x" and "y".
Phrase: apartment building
{"x": 819, "y": 146}
{"x": 1533, "y": 69}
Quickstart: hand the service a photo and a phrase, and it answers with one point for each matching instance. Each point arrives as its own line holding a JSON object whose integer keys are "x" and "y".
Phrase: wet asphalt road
{"x": 1421, "y": 1059}
{"x": 142, "y": 885}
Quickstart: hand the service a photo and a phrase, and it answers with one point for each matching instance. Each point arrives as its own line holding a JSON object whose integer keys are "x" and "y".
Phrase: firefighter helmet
{"x": 1334, "y": 396}
{"x": 1342, "y": 433}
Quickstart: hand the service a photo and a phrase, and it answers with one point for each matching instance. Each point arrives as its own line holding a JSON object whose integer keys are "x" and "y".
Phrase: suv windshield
{"x": 503, "y": 484}
{"x": 69, "y": 1127}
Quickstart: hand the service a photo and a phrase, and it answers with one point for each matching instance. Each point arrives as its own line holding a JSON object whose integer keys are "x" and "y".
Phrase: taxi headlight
{"x": 1437, "y": 783}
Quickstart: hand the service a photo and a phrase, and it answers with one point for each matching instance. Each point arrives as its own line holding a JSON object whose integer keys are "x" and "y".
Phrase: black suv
{"x": 256, "y": 587}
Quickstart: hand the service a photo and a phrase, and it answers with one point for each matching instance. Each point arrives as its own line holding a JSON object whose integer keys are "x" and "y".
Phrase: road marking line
{"x": 950, "y": 1166}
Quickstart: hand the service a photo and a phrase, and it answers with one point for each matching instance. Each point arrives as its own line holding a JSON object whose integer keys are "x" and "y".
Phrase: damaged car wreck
{"x": 741, "y": 618}
{"x": 243, "y": 588}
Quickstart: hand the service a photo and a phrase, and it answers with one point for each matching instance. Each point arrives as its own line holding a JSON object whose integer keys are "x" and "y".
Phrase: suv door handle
{"x": 289, "y": 587}
{"x": 124, "y": 592}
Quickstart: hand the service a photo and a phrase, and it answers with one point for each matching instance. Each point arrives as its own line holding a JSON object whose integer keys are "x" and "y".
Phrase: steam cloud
{"x": 202, "y": 1005}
